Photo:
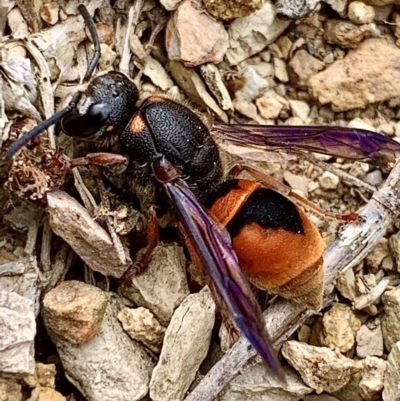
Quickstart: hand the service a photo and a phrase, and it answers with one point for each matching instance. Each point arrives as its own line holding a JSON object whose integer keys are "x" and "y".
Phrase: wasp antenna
{"x": 96, "y": 41}
{"x": 17, "y": 145}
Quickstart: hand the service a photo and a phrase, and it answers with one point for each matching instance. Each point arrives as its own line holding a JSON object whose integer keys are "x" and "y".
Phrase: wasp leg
{"x": 100, "y": 159}
{"x": 152, "y": 238}
{"x": 271, "y": 183}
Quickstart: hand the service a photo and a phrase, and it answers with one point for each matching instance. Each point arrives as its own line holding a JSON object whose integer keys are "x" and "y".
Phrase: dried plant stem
{"x": 149, "y": 48}
{"x": 33, "y": 229}
{"x": 45, "y": 251}
{"x": 350, "y": 247}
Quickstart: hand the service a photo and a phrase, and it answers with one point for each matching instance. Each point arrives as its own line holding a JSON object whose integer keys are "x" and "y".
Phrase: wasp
{"x": 233, "y": 228}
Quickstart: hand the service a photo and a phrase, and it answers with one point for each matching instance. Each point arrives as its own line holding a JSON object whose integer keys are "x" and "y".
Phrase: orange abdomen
{"x": 278, "y": 247}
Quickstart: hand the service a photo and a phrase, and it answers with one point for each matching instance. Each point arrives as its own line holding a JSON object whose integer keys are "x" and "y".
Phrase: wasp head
{"x": 103, "y": 109}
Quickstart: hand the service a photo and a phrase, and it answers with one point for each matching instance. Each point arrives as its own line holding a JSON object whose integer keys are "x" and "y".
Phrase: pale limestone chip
{"x": 186, "y": 344}
{"x": 320, "y": 368}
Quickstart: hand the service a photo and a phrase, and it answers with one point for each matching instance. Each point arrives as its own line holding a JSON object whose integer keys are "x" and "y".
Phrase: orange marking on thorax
{"x": 156, "y": 98}
{"x": 137, "y": 124}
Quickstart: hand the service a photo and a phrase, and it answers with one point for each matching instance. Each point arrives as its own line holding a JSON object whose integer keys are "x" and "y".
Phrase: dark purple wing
{"x": 351, "y": 143}
{"x": 220, "y": 263}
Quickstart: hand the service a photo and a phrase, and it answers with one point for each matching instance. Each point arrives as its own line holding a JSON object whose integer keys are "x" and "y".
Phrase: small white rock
{"x": 170, "y": 5}
{"x": 373, "y": 374}
{"x": 369, "y": 340}
{"x": 300, "y": 109}
{"x": 264, "y": 69}
{"x": 346, "y": 285}
{"x": 281, "y": 72}
{"x": 269, "y": 106}
{"x": 360, "y": 123}
{"x": 328, "y": 181}
{"x": 254, "y": 85}
{"x": 360, "y": 13}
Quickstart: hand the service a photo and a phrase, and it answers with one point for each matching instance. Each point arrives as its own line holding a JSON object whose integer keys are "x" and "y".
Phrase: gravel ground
{"x": 72, "y": 331}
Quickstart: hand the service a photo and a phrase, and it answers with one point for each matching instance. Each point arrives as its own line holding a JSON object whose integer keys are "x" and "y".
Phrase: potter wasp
{"x": 232, "y": 228}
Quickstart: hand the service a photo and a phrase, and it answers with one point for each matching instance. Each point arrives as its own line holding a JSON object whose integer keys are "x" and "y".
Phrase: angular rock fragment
{"x": 170, "y": 5}
{"x": 366, "y": 75}
{"x": 46, "y": 394}
{"x": 74, "y": 311}
{"x": 18, "y": 329}
{"x": 110, "y": 366}
{"x": 186, "y": 344}
{"x": 302, "y": 66}
{"x": 72, "y": 222}
{"x": 320, "y": 368}
{"x": 142, "y": 326}
{"x": 373, "y": 373}
{"x": 340, "y": 326}
{"x": 370, "y": 340}
{"x": 256, "y": 383}
{"x": 163, "y": 285}
{"x": 391, "y": 388}
{"x": 346, "y": 34}
{"x": 346, "y": 285}
{"x": 340, "y": 6}
{"x": 10, "y": 390}
{"x": 24, "y": 278}
{"x": 44, "y": 375}
{"x": 270, "y": 105}
{"x": 391, "y": 318}
{"x": 378, "y": 253}
{"x": 360, "y": 13}
{"x": 280, "y": 70}
{"x": 250, "y": 35}
{"x": 249, "y": 85}
{"x": 394, "y": 244}
{"x": 194, "y": 38}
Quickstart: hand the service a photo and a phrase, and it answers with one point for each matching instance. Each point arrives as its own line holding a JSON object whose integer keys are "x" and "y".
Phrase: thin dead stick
{"x": 59, "y": 267}
{"x": 350, "y": 247}
{"x": 133, "y": 17}
{"x": 44, "y": 83}
{"x": 85, "y": 194}
{"x": 149, "y": 48}
{"x": 33, "y": 229}
{"x": 45, "y": 251}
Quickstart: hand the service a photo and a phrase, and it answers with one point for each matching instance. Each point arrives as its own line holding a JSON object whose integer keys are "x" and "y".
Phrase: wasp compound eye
{"x": 78, "y": 125}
